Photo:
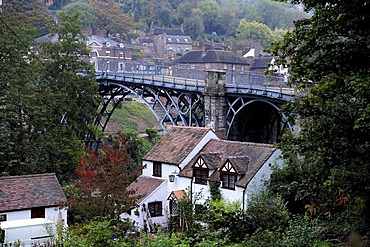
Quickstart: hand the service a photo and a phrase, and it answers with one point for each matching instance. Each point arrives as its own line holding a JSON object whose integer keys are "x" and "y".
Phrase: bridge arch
{"x": 175, "y": 107}
{"x": 255, "y": 120}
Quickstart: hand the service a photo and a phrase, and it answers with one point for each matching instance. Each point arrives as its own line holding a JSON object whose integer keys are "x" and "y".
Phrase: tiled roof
{"x": 24, "y": 192}
{"x": 144, "y": 186}
{"x": 261, "y": 63}
{"x": 216, "y": 56}
{"x": 246, "y": 157}
{"x": 178, "y": 194}
{"x": 211, "y": 56}
{"x": 176, "y": 144}
{"x": 168, "y": 31}
{"x": 190, "y": 57}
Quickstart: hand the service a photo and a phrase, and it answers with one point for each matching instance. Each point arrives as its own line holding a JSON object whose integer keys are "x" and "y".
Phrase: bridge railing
{"x": 236, "y": 78}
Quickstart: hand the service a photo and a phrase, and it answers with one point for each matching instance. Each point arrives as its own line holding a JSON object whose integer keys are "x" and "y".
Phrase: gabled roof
{"x": 29, "y": 191}
{"x": 102, "y": 41}
{"x": 176, "y": 144}
{"x": 178, "y": 194}
{"x": 246, "y": 157}
{"x": 211, "y": 56}
{"x": 145, "y": 186}
{"x": 168, "y": 31}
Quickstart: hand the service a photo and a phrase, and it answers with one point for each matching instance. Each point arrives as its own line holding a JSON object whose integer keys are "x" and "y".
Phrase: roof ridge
{"x": 28, "y": 176}
{"x": 247, "y": 143}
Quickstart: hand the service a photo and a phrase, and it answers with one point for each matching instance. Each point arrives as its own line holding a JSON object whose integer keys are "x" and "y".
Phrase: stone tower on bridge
{"x": 215, "y": 101}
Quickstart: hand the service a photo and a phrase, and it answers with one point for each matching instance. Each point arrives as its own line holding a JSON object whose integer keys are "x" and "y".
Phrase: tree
{"x": 102, "y": 14}
{"x": 211, "y": 14}
{"x": 328, "y": 162}
{"x": 101, "y": 187}
{"x": 46, "y": 105}
{"x": 86, "y": 12}
{"x": 255, "y": 31}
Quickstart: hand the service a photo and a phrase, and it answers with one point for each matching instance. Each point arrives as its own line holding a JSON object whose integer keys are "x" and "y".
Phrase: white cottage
{"x": 189, "y": 158}
{"x": 29, "y": 202}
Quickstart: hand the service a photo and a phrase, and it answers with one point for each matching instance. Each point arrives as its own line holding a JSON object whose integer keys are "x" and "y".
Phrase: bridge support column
{"x": 215, "y": 101}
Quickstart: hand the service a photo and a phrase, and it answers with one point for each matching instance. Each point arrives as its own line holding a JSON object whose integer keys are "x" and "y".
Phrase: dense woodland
{"x": 320, "y": 198}
{"x": 228, "y": 21}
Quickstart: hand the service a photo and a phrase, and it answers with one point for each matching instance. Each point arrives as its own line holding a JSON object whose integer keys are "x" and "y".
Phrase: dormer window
{"x": 157, "y": 169}
{"x": 200, "y": 172}
{"x": 228, "y": 176}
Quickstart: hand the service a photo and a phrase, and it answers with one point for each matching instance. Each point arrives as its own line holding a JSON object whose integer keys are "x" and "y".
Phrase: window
{"x": 200, "y": 171}
{"x": 157, "y": 169}
{"x": 108, "y": 66}
{"x": 107, "y": 53}
{"x": 94, "y": 54}
{"x": 121, "y": 66}
{"x": 37, "y": 212}
{"x": 228, "y": 176}
{"x": 121, "y": 55}
{"x": 200, "y": 175}
{"x": 208, "y": 66}
{"x": 186, "y": 40}
{"x": 228, "y": 181}
{"x": 155, "y": 209}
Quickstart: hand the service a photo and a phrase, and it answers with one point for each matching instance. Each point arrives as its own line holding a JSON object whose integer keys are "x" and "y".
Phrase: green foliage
{"x": 153, "y": 135}
{"x": 97, "y": 14}
{"x": 267, "y": 211}
{"x": 263, "y": 237}
{"x": 221, "y": 17}
{"x": 45, "y": 104}
{"x": 214, "y": 190}
{"x": 255, "y": 31}
{"x": 328, "y": 161}
{"x": 99, "y": 233}
{"x": 130, "y": 110}
{"x": 162, "y": 240}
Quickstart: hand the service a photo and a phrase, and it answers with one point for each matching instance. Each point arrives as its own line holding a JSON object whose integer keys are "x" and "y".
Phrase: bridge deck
{"x": 268, "y": 89}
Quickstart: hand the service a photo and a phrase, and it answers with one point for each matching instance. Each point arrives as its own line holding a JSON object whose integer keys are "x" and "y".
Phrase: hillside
{"x": 132, "y": 115}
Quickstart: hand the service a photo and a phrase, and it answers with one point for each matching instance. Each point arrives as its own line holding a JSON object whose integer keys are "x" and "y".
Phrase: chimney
{"x": 87, "y": 31}
{"x": 257, "y": 48}
{"x": 101, "y": 33}
{"x": 239, "y": 53}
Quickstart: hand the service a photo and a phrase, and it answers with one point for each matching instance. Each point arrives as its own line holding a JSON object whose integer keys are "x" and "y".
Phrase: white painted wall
{"x": 51, "y": 213}
{"x": 263, "y": 174}
{"x": 160, "y": 194}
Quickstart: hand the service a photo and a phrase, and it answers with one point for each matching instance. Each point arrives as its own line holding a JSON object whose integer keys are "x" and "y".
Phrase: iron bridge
{"x": 180, "y": 101}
